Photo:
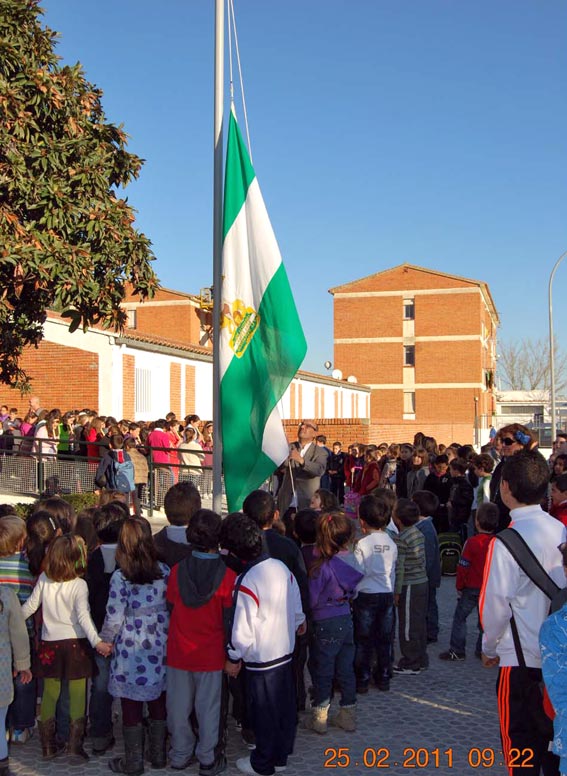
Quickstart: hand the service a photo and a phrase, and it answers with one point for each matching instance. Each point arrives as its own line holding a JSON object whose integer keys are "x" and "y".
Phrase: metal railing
{"x": 33, "y": 472}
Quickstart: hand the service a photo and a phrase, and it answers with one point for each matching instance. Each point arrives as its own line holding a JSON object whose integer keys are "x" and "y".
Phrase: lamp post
{"x": 476, "y": 422}
{"x": 552, "y": 344}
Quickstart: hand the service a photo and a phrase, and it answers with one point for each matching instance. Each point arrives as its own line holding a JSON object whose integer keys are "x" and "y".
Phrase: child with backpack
{"x": 470, "y": 572}
{"x": 116, "y": 470}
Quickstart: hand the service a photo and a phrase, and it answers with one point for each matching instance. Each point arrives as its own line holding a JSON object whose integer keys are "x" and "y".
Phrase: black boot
{"x": 156, "y": 748}
{"x": 133, "y": 761}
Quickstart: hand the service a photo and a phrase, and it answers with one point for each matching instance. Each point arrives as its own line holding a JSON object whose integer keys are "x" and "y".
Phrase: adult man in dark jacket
{"x": 306, "y": 464}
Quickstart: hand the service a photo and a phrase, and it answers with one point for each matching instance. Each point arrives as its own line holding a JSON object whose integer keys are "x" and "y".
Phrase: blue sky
{"x": 383, "y": 131}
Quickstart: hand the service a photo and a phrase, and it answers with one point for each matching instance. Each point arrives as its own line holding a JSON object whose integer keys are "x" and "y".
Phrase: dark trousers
{"x": 338, "y": 488}
{"x": 519, "y": 704}
{"x": 100, "y": 706}
{"x": 373, "y": 615}
{"x": 273, "y": 714}
{"x": 432, "y": 618}
{"x": 412, "y": 611}
{"x": 133, "y": 711}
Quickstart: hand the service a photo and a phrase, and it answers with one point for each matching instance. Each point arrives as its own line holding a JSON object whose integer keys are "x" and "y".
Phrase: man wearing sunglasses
{"x": 306, "y": 464}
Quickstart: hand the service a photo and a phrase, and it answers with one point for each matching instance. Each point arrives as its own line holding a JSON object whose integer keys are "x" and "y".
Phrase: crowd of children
{"x": 211, "y": 608}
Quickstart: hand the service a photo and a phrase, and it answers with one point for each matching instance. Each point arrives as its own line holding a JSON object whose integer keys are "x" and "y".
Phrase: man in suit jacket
{"x": 306, "y": 464}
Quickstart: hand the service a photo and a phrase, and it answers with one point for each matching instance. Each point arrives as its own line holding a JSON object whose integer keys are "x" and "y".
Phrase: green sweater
{"x": 410, "y": 568}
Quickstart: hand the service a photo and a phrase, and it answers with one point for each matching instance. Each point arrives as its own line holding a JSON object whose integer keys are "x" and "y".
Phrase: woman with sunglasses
{"x": 513, "y": 438}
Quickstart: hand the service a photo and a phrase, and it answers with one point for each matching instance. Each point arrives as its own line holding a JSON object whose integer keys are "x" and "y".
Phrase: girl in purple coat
{"x": 332, "y": 584}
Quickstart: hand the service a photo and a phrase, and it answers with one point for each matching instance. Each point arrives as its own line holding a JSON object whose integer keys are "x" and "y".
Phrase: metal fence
{"x": 36, "y": 473}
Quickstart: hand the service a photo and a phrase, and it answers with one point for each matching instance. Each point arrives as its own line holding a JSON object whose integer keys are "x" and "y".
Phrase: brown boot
{"x": 49, "y": 746}
{"x": 77, "y": 754}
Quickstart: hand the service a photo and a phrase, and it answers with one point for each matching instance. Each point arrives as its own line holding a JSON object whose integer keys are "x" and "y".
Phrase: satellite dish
{"x": 351, "y": 379}
{"x": 337, "y": 374}
{"x": 327, "y": 364}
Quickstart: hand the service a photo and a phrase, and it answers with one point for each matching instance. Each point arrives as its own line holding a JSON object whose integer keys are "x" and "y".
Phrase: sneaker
{"x": 21, "y": 736}
{"x": 383, "y": 684}
{"x": 245, "y": 766}
{"x": 406, "y": 670}
{"x": 451, "y": 655}
{"x": 218, "y": 766}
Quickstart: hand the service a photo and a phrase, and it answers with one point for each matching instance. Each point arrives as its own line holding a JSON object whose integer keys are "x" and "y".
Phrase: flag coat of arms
{"x": 262, "y": 344}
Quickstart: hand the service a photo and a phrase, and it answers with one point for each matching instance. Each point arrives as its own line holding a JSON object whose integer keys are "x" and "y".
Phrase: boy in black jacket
{"x": 180, "y": 504}
{"x": 461, "y": 497}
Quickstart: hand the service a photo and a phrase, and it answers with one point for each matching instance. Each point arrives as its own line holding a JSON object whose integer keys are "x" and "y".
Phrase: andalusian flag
{"x": 262, "y": 342}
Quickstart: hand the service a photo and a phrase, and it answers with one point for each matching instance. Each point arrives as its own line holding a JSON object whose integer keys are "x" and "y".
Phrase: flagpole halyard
{"x": 217, "y": 250}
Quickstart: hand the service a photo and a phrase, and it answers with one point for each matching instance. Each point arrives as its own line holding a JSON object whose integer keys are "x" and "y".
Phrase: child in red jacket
{"x": 469, "y": 580}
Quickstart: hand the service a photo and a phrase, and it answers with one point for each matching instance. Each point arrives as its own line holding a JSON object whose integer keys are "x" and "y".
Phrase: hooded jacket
{"x": 199, "y": 591}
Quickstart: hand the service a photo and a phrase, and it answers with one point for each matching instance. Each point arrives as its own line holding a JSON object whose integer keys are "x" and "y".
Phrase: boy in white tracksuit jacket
{"x": 267, "y": 614}
{"x": 508, "y": 590}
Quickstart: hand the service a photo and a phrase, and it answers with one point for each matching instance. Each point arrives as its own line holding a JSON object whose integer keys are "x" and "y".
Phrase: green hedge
{"x": 78, "y": 501}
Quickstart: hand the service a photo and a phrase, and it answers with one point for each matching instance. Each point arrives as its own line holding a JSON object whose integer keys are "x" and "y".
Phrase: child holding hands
{"x": 67, "y": 635}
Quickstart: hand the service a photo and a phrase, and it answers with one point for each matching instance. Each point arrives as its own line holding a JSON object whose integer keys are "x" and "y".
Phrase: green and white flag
{"x": 262, "y": 342}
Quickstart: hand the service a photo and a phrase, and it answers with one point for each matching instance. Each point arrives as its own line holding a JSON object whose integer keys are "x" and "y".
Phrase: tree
{"x": 67, "y": 239}
{"x": 524, "y": 366}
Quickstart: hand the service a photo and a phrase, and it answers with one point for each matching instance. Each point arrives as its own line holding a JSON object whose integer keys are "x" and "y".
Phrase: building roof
{"x": 405, "y": 266}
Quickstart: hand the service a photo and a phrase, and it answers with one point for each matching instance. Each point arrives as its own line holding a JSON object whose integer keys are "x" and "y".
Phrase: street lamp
{"x": 476, "y": 422}
{"x": 552, "y": 344}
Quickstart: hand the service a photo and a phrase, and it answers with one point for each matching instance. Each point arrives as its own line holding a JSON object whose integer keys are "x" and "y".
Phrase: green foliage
{"x": 78, "y": 501}
{"x": 67, "y": 239}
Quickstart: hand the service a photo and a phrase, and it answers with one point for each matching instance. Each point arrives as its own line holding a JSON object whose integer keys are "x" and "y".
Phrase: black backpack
{"x": 450, "y": 549}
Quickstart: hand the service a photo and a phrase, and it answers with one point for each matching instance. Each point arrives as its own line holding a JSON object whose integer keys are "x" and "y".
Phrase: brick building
{"x": 163, "y": 361}
{"x": 425, "y": 343}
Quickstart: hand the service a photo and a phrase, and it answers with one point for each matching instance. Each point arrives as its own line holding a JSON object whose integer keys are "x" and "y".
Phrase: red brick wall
{"x": 62, "y": 377}
{"x": 344, "y": 431}
{"x": 175, "y": 389}
{"x": 128, "y": 387}
{"x": 379, "y": 316}
{"x": 443, "y": 314}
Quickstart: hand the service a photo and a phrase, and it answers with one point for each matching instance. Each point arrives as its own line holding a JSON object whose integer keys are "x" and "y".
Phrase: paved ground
{"x": 447, "y": 712}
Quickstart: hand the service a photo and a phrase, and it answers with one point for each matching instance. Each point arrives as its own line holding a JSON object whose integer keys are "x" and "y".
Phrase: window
{"x": 131, "y": 320}
{"x": 409, "y": 355}
{"x": 143, "y": 390}
{"x": 409, "y": 310}
{"x": 409, "y": 403}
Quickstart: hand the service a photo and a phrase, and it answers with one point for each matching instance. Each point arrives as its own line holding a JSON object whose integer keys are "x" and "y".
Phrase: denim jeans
{"x": 467, "y": 603}
{"x": 100, "y": 706}
{"x": 373, "y": 626}
{"x": 334, "y": 657}
{"x": 21, "y": 712}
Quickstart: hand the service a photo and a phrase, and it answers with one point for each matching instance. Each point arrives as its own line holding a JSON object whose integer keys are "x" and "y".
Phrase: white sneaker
{"x": 245, "y": 766}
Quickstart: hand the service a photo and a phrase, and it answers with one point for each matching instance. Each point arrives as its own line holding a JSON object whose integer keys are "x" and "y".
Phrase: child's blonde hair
{"x": 66, "y": 558}
{"x": 12, "y": 534}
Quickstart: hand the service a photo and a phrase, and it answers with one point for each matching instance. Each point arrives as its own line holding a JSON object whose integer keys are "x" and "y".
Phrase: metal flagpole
{"x": 217, "y": 250}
